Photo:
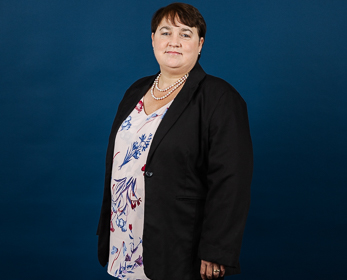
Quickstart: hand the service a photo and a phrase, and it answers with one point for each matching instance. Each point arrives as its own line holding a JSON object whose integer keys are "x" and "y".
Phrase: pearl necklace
{"x": 174, "y": 86}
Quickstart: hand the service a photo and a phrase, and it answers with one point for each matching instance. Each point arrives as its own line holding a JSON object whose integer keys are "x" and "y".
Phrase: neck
{"x": 167, "y": 78}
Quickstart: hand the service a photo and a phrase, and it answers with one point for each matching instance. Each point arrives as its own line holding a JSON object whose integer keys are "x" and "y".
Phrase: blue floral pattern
{"x": 131, "y": 260}
{"x": 154, "y": 115}
{"x": 132, "y": 145}
{"x": 123, "y": 199}
{"x": 136, "y": 148}
{"x": 126, "y": 124}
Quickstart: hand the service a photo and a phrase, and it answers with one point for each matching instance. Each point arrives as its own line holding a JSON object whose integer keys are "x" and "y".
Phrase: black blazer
{"x": 197, "y": 179}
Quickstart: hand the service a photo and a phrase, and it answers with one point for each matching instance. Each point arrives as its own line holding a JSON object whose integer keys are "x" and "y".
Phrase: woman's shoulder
{"x": 138, "y": 87}
{"x": 217, "y": 88}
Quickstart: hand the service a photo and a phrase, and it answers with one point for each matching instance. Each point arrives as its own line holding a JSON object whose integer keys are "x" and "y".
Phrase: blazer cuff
{"x": 208, "y": 252}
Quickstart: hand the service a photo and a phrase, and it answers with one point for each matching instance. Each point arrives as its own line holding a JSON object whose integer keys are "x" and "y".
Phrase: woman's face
{"x": 176, "y": 48}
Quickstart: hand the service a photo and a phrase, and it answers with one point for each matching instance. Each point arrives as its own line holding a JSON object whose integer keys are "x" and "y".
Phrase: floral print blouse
{"x": 132, "y": 144}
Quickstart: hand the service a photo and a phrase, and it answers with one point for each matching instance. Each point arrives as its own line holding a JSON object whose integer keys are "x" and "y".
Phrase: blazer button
{"x": 149, "y": 174}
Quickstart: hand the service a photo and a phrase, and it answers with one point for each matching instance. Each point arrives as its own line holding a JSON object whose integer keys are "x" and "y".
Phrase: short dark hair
{"x": 185, "y": 13}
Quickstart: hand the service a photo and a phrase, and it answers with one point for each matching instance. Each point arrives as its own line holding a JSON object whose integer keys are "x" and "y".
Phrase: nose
{"x": 175, "y": 41}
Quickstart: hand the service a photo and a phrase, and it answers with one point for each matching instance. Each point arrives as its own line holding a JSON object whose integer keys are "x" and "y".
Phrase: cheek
{"x": 193, "y": 47}
{"x": 160, "y": 45}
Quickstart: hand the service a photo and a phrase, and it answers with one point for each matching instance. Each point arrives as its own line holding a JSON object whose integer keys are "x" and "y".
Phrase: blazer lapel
{"x": 177, "y": 107}
{"x": 131, "y": 99}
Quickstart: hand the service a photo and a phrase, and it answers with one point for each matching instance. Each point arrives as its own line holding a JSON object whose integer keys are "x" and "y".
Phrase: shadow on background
{"x": 64, "y": 68}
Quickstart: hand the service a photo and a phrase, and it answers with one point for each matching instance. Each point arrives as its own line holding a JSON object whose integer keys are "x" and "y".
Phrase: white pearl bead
{"x": 174, "y": 86}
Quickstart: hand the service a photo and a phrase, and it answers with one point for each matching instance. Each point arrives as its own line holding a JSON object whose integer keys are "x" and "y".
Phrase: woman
{"x": 178, "y": 165}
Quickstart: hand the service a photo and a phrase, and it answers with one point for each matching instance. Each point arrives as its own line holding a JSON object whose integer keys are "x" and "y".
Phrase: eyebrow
{"x": 165, "y": 27}
{"x": 183, "y": 29}
{"x": 187, "y": 29}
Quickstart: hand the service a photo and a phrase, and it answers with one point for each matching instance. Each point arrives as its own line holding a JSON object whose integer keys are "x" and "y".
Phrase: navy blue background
{"x": 66, "y": 64}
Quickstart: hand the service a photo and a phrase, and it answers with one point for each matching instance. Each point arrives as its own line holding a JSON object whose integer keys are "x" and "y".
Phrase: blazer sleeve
{"x": 229, "y": 174}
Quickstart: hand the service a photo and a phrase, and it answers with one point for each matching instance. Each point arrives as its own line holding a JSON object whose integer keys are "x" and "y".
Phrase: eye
{"x": 184, "y": 35}
{"x": 165, "y": 33}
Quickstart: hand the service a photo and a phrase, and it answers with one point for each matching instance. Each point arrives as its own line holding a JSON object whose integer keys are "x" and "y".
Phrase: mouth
{"x": 173, "y": 52}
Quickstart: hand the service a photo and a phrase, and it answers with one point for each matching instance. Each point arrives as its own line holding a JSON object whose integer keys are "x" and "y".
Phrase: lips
{"x": 172, "y": 52}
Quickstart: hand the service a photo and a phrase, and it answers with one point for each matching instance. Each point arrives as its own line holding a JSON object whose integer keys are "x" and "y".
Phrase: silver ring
{"x": 216, "y": 270}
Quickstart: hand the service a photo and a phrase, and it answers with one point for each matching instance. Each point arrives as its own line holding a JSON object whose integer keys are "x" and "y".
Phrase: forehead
{"x": 167, "y": 22}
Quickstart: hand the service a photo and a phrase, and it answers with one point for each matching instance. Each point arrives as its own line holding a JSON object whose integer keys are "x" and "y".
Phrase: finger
{"x": 222, "y": 270}
{"x": 209, "y": 272}
{"x": 203, "y": 270}
{"x": 216, "y": 270}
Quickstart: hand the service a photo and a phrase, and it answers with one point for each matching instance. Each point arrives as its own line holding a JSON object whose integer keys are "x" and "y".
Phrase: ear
{"x": 152, "y": 36}
{"x": 201, "y": 42}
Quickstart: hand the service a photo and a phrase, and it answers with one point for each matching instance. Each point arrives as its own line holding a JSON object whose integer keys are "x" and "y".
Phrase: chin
{"x": 172, "y": 65}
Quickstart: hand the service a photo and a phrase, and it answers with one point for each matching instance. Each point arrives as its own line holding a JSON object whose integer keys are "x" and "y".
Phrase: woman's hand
{"x": 210, "y": 270}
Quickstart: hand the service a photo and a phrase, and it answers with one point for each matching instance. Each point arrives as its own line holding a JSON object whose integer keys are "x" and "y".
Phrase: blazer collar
{"x": 131, "y": 98}
{"x": 177, "y": 107}
{"x": 136, "y": 92}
